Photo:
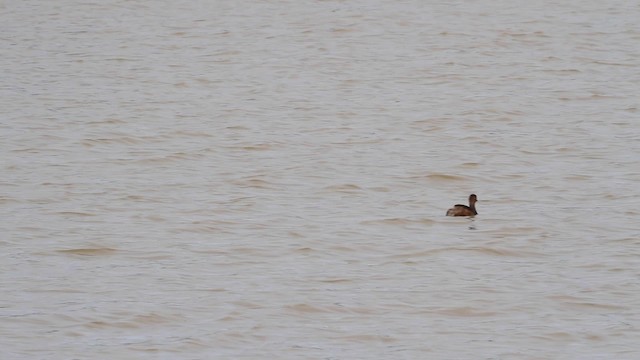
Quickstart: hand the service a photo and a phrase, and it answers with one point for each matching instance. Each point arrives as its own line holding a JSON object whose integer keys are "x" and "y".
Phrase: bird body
{"x": 464, "y": 210}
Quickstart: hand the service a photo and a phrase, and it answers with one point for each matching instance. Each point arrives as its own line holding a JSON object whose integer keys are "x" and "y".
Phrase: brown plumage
{"x": 464, "y": 210}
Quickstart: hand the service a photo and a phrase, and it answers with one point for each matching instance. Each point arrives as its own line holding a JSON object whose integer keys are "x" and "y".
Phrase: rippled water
{"x": 251, "y": 180}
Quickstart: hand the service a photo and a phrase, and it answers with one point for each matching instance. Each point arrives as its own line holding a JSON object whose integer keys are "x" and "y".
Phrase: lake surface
{"x": 268, "y": 180}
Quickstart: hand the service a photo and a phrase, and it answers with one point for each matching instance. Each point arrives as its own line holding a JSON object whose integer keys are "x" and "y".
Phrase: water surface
{"x": 242, "y": 180}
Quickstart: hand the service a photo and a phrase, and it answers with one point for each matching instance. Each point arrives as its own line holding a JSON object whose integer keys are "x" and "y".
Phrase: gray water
{"x": 256, "y": 180}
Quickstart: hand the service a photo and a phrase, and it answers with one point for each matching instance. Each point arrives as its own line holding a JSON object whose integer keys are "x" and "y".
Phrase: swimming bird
{"x": 464, "y": 210}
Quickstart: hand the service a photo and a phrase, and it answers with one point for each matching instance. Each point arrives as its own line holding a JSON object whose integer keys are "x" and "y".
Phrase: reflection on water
{"x": 197, "y": 178}
{"x": 472, "y": 225}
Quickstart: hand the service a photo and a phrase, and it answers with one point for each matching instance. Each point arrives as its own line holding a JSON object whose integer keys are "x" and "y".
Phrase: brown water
{"x": 268, "y": 180}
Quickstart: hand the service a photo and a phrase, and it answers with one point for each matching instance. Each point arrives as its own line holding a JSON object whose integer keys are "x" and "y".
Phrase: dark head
{"x": 472, "y": 199}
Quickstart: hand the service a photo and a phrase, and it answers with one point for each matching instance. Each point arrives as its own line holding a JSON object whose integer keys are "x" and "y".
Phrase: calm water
{"x": 268, "y": 180}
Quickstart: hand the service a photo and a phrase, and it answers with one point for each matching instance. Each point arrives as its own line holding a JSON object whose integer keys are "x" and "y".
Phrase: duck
{"x": 464, "y": 210}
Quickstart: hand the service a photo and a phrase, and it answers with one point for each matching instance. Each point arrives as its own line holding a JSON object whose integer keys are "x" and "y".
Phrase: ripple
{"x": 89, "y": 251}
{"x": 306, "y": 308}
{"x": 464, "y": 311}
{"x": 254, "y": 183}
{"x": 75, "y": 213}
{"x": 346, "y": 188}
{"x": 493, "y": 251}
{"x": 398, "y": 221}
{"x": 438, "y": 177}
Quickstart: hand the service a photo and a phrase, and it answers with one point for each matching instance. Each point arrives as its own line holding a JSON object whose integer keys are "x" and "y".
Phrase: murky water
{"x": 253, "y": 180}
